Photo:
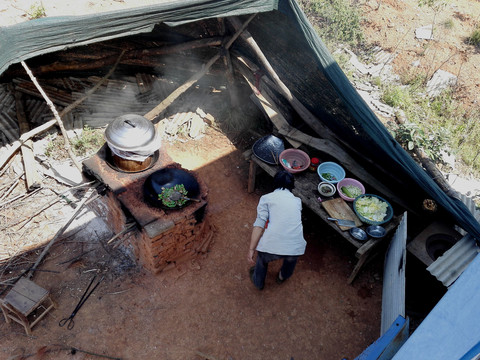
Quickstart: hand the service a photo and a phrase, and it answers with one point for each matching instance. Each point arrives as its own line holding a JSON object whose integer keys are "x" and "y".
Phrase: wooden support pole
{"x": 32, "y": 177}
{"x": 60, "y": 232}
{"x": 28, "y": 135}
{"x": 151, "y": 115}
{"x": 304, "y": 113}
{"x": 55, "y": 114}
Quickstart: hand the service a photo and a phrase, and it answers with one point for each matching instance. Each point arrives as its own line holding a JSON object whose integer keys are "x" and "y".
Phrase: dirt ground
{"x": 206, "y": 308}
{"x": 391, "y": 25}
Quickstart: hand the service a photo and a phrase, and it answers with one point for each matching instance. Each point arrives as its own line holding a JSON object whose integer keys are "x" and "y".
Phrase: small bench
{"x": 26, "y": 303}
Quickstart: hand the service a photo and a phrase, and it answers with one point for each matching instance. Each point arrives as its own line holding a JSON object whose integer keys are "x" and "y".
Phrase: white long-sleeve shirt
{"x": 284, "y": 233}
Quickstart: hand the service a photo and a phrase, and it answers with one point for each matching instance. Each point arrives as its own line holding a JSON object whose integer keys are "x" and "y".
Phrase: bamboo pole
{"x": 28, "y": 135}
{"x": 55, "y": 114}
{"x": 60, "y": 232}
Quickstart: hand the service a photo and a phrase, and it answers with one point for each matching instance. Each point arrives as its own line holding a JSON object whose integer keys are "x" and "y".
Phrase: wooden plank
{"x": 338, "y": 208}
{"x": 32, "y": 177}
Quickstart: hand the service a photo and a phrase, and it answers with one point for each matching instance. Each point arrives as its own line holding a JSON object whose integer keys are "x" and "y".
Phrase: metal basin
{"x": 376, "y": 231}
{"x": 358, "y": 234}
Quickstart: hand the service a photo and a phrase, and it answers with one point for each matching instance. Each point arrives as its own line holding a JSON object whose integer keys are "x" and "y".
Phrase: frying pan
{"x": 168, "y": 178}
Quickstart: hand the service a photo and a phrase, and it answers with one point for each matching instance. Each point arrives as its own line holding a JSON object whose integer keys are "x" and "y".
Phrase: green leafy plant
{"x": 448, "y": 24}
{"x": 88, "y": 142}
{"x": 36, "y": 11}
{"x": 474, "y": 39}
{"x": 411, "y": 136}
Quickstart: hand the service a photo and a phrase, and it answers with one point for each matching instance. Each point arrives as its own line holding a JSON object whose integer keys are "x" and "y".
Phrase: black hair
{"x": 283, "y": 180}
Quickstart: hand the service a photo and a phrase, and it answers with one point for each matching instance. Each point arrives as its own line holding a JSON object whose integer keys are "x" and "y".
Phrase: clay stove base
{"x": 165, "y": 237}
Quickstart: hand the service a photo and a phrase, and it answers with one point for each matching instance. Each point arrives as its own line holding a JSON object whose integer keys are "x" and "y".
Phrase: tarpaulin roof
{"x": 302, "y": 60}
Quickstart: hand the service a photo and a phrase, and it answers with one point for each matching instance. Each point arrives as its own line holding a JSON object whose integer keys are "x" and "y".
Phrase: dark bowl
{"x": 376, "y": 231}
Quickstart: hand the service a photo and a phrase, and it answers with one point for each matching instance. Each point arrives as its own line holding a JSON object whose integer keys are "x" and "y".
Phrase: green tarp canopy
{"x": 280, "y": 28}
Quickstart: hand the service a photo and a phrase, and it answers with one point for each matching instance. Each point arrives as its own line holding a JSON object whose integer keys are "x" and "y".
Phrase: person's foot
{"x": 279, "y": 279}
{"x": 251, "y": 271}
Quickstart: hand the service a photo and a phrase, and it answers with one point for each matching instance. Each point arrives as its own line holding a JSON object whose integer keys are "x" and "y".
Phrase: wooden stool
{"x": 21, "y": 302}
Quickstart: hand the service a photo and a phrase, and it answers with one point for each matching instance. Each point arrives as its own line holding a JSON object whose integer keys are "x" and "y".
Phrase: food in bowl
{"x": 330, "y": 172}
{"x": 326, "y": 189}
{"x": 294, "y": 160}
{"x": 329, "y": 176}
{"x": 351, "y": 191}
{"x": 371, "y": 208}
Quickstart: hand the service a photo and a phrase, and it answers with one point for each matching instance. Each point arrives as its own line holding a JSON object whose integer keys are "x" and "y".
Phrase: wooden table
{"x": 306, "y": 184}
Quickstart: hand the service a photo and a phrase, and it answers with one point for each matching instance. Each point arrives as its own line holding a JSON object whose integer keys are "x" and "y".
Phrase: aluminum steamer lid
{"x": 130, "y": 132}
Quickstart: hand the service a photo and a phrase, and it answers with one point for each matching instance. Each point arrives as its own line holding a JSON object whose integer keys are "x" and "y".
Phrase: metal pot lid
{"x": 130, "y": 132}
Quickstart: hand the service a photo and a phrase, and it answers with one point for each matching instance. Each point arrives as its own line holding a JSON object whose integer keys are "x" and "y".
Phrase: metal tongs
{"x": 84, "y": 298}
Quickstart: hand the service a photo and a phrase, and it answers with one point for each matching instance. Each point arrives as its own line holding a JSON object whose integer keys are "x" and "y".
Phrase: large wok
{"x": 168, "y": 178}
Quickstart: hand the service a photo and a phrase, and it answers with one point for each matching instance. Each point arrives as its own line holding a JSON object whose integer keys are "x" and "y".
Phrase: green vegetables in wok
{"x": 167, "y": 198}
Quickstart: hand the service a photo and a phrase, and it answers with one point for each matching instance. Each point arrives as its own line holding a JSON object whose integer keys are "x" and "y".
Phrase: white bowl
{"x": 326, "y": 189}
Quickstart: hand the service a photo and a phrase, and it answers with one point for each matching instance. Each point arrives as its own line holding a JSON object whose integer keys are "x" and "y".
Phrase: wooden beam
{"x": 32, "y": 177}
{"x": 152, "y": 114}
{"x": 304, "y": 113}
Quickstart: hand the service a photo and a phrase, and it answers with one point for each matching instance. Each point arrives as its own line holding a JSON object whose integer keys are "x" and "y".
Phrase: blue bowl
{"x": 337, "y": 173}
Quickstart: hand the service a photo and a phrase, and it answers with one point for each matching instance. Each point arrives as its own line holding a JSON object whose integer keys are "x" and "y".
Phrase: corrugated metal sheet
{"x": 470, "y": 204}
{"x": 393, "y": 293}
{"x": 448, "y": 267}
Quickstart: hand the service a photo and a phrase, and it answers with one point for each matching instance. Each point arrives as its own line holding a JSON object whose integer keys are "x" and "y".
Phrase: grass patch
{"x": 336, "y": 21}
{"x": 36, "y": 11}
{"x": 88, "y": 142}
{"x": 448, "y": 24}
{"x": 474, "y": 39}
{"x": 436, "y": 125}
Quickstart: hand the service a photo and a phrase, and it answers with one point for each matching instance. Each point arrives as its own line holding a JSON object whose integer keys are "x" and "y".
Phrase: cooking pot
{"x": 167, "y": 178}
{"x": 132, "y": 140}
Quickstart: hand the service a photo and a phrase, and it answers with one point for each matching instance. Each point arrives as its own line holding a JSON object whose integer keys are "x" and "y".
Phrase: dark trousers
{"x": 261, "y": 267}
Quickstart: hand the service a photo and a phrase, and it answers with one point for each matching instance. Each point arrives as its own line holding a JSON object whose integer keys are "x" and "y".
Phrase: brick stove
{"x": 163, "y": 237}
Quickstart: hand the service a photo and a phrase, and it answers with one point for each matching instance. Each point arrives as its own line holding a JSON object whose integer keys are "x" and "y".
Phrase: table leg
{"x": 252, "y": 173}
{"x": 357, "y": 267}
